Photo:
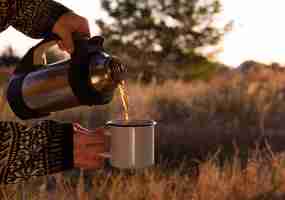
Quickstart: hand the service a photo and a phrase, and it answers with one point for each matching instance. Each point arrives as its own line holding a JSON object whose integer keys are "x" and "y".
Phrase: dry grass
{"x": 262, "y": 178}
{"x": 219, "y": 140}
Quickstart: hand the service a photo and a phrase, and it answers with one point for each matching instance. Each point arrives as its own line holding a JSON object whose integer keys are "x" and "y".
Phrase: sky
{"x": 258, "y": 32}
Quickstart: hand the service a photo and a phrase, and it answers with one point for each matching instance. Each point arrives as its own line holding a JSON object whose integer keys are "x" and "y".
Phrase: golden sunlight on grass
{"x": 219, "y": 140}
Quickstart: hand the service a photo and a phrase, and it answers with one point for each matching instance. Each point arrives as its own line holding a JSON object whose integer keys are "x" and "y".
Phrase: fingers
{"x": 87, "y": 149}
{"x": 83, "y": 27}
{"x": 98, "y": 131}
{"x": 66, "y": 44}
{"x": 84, "y": 136}
{"x": 60, "y": 45}
{"x": 67, "y": 25}
{"x": 87, "y": 159}
{"x": 81, "y": 130}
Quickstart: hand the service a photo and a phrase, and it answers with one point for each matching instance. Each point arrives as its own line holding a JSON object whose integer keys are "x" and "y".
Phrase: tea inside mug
{"x": 131, "y": 123}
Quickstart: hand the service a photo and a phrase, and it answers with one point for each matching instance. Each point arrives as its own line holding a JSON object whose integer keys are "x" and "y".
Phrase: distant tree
{"x": 156, "y": 33}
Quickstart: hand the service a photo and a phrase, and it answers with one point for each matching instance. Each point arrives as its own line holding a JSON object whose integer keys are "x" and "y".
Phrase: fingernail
{"x": 69, "y": 51}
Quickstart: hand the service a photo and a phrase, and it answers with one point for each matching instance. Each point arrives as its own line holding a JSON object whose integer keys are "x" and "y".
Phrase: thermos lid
{"x": 131, "y": 123}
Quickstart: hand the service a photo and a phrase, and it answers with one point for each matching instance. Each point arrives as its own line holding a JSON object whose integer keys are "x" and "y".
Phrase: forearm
{"x": 31, "y": 152}
{"x": 34, "y": 18}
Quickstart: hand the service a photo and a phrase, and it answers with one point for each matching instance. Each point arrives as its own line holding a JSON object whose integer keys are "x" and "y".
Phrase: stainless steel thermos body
{"x": 88, "y": 78}
{"x": 49, "y": 89}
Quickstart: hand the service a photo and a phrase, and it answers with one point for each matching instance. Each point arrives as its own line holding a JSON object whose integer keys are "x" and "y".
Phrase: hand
{"x": 87, "y": 146}
{"x": 68, "y": 24}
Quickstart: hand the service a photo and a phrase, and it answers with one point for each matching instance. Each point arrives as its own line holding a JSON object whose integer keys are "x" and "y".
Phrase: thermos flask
{"x": 89, "y": 77}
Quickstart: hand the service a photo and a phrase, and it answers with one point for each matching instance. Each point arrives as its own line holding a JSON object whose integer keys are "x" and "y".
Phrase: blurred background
{"x": 177, "y": 34}
{"x": 193, "y": 64}
{"x": 257, "y": 32}
{"x": 209, "y": 71}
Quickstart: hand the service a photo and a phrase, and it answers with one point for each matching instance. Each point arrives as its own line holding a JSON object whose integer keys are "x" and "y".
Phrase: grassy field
{"x": 218, "y": 140}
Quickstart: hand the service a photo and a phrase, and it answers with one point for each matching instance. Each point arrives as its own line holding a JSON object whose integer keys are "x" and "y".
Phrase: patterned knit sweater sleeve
{"x": 34, "y": 18}
{"x": 29, "y": 152}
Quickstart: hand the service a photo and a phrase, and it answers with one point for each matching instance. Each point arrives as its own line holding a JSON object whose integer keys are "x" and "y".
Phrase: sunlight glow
{"x": 258, "y": 34}
{"x": 22, "y": 43}
{"x": 259, "y": 31}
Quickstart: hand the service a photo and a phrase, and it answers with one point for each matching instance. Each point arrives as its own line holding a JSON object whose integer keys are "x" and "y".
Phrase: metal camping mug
{"x": 133, "y": 143}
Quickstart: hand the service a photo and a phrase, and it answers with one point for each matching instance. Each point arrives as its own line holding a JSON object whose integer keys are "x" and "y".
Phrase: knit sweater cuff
{"x": 47, "y": 15}
{"x": 27, "y": 152}
{"x": 60, "y": 148}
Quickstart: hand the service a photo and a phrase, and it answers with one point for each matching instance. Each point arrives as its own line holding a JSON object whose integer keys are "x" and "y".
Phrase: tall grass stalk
{"x": 224, "y": 139}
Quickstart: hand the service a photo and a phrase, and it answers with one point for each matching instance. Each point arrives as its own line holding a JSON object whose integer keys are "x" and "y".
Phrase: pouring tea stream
{"x": 90, "y": 77}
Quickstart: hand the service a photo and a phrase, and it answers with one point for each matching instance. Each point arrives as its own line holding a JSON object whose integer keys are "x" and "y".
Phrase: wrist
{"x": 47, "y": 17}
{"x": 75, "y": 144}
{"x": 60, "y": 147}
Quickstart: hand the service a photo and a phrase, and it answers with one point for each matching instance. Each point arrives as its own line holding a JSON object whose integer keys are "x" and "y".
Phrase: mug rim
{"x": 131, "y": 123}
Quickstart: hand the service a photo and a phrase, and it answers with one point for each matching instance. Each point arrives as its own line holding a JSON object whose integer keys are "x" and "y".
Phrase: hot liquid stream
{"x": 125, "y": 100}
